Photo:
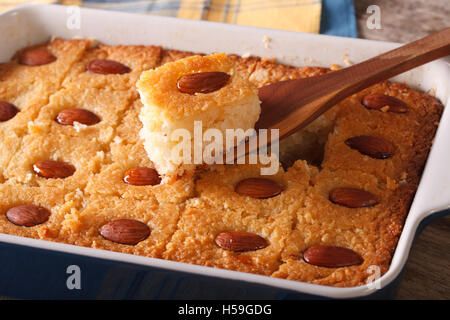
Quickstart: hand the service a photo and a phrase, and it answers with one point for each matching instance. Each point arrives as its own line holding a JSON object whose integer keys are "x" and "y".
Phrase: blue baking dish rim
{"x": 33, "y": 273}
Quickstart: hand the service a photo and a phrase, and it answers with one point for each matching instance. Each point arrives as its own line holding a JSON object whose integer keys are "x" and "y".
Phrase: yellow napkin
{"x": 9, "y": 4}
{"x": 294, "y": 15}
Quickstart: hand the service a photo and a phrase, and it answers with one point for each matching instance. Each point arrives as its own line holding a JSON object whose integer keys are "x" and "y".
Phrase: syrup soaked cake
{"x": 75, "y": 169}
{"x": 175, "y": 95}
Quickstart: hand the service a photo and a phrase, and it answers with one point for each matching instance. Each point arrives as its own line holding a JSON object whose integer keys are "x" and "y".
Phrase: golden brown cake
{"x": 73, "y": 169}
{"x": 172, "y": 102}
{"x": 218, "y": 208}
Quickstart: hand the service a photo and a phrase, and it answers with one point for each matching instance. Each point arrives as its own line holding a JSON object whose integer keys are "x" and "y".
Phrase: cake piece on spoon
{"x": 183, "y": 100}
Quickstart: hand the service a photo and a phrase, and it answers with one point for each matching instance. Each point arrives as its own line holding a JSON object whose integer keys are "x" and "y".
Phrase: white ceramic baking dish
{"x": 27, "y": 25}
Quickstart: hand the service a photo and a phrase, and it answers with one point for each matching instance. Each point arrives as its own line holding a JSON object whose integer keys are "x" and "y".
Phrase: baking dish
{"x": 33, "y": 24}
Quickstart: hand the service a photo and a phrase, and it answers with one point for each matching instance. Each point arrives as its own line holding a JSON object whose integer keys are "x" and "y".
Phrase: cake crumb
{"x": 79, "y": 194}
{"x": 101, "y": 155}
{"x": 432, "y": 92}
{"x": 28, "y": 177}
{"x": 117, "y": 140}
{"x": 33, "y": 128}
{"x": 93, "y": 43}
{"x": 79, "y": 126}
{"x": 335, "y": 67}
{"x": 266, "y": 40}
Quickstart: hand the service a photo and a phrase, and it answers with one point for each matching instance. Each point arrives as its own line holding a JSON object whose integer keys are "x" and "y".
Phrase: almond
{"x": 374, "y": 147}
{"x": 259, "y": 188}
{"x": 27, "y": 215}
{"x": 142, "y": 177}
{"x": 7, "y": 111}
{"x": 202, "y": 82}
{"x": 331, "y": 257}
{"x": 53, "y": 169}
{"x": 377, "y": 101}
{"x": 125, "y": 231}
{"x": 107, "y": 67}
{"x": 240, "y": 241}
{"x": 36, "y": 57}
{"x": 68, "y": 116}
{"x": 352, "y": 197}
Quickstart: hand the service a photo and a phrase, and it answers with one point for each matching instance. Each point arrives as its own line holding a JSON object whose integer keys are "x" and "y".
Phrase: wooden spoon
{"x": 291, "y": 105}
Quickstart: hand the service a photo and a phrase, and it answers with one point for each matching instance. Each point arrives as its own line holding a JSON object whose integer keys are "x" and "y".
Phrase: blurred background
{"x": 427, "y": 274}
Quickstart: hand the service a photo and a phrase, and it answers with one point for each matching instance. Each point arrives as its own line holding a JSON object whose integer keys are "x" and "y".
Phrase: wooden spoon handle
{"x": 394, "y": 62}
{"x": 295, "y": 103}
